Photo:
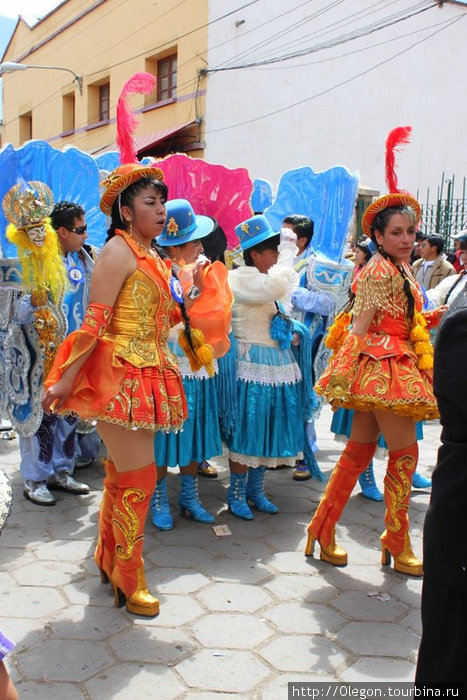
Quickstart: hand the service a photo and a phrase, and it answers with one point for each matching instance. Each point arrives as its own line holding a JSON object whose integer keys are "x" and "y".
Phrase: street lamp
{"x": 9, "y": 67}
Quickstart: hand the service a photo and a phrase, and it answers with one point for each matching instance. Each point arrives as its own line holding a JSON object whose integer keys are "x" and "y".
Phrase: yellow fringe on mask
{"x": 421, "y": 340}
{"x": 41, "y": 267}
{"x": 202, "y": 355}
{"x": 338, "y": 331}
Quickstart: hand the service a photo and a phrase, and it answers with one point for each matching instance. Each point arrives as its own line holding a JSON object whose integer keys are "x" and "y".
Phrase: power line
{"x": 181, "y": 36}
{"x": 346, "y": 21}
{"x": 349, "y": 53}
{"x": 285, "y": 30}
{"x": 334, "y": 87}
{"x": 313, "y": 49}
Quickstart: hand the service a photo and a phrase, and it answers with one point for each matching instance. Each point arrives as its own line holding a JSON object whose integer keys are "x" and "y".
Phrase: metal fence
{"x": 446, "y": 214}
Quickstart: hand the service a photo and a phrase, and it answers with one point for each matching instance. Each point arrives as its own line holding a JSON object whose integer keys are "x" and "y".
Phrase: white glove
{"x": 288, "y": 236}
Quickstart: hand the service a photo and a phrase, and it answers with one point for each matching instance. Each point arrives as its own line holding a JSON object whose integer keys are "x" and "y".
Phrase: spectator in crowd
{"x": 449, "y": 289}
{"x": 419, "y": 238}
{"x": 432, "y": 267}
{"x": 454, "y": 257}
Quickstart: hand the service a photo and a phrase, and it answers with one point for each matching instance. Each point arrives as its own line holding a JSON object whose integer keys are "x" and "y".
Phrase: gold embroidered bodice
{"x": 141, "y": 322}
{"x": 380, "y": 286}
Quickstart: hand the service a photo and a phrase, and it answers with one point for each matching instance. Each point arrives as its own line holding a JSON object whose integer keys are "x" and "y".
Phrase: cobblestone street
{"x": 240, "y": 615}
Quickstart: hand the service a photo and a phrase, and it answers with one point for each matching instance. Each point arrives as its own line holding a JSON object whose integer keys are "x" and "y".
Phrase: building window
{"x": 68, "y": 111}
{"x": 99, "y": 103}
{"x": 104, "y": 102}
{"x": 25, "y": 127}
{"x": 167, "y": 78}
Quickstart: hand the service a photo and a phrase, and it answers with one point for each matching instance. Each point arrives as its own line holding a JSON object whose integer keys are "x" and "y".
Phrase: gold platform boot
{"x": 135, "y": 489}
{"x": 395, "y": 540}
{"x": 353, "y": 461}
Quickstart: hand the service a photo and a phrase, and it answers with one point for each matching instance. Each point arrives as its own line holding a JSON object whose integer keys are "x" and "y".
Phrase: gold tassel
{"x": 202, "y": 354}
{"x": 418, "y": 333}
{"x": 421, "y": 340}
{"x": 422, "y": 347}
{"x": 338, "y": 331}
{"x": 425, "y": 362}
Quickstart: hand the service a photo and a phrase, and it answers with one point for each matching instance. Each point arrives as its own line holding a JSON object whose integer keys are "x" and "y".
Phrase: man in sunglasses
{"x": 48, "y": 457}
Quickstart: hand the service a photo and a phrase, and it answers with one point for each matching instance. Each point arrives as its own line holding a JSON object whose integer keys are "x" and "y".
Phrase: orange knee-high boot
{"x": 105, "y": 548}
{"x": 134, "y": 491}
{"x": 395, "y": 539}
{"x": 353, "y": 461}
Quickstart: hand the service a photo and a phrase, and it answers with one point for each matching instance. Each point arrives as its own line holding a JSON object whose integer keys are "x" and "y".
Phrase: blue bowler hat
{"x": 254, "y": 231}
{"x": 183, "y": 225}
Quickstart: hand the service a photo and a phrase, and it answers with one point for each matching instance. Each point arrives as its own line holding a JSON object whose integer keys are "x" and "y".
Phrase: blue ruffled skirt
{"x": 270, "y": 426}
{"x": 200, "y": 438}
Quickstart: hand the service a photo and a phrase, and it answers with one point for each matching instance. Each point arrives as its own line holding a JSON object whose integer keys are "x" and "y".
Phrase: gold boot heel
{"x": 332, "y": 554}
{"x": 405, "y": 562}
{"x": 310, "y": 545}
{"x": 140, "y": 602}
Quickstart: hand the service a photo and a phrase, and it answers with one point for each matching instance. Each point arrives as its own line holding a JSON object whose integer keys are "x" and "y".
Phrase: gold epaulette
{"x": 380, "y": 286}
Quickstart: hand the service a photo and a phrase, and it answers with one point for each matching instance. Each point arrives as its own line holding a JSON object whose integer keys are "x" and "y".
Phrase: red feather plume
{"x": 139, "y": 83}
{"x": 397, "y": 137}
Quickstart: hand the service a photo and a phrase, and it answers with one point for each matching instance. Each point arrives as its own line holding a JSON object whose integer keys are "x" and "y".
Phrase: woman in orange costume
{"x": 118, "y": 370}
{"x": 382, "y": 370}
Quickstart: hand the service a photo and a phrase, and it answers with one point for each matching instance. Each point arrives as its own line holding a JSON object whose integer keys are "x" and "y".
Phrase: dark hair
{"x": 463, "y": 243}
{"x": 379, "y": 223}
{"x": 436, "y": 239}
{"x": 65, "y": 214}
{"x": 215, "y": 243}
{"x": 365, "y": 248}
{"x": 302, "y": 226}
{"x": 420, "y": 236}
{"x": 125, "y": 199}
{"x": 269, "y": 244}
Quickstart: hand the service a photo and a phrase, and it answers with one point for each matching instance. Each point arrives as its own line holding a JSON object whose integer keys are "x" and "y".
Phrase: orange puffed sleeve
{"x": 101, "y": 375}
{"x": 212, "y": 311}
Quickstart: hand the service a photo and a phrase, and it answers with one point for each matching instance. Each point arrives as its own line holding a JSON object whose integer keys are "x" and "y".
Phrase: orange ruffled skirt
{"x": 111, "y": 389}
{"x": 391, "y": 383}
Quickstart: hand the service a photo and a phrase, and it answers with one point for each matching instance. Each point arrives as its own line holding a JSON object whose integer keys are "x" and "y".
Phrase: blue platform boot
{"x": 160, "y": 508}
{"x": 368, "y": 484}
{"x": 255, "y": 491}
{"x": 189, "y": 500}
{"x": 420, "y": 482}
{"x": 236, "y": 497}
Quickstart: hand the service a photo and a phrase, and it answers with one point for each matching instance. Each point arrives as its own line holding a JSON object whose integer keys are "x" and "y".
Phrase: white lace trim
{"x": 271, "y": 462}
{"x": 187, "y": 372}
{"x": 268, "y": 374}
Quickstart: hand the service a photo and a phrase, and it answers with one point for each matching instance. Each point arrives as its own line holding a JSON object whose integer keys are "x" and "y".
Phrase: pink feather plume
{"x": 139, "y": 83}
{"x": 397, "y": 137}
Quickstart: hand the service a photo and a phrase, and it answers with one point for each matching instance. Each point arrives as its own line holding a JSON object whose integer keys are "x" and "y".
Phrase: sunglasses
{"x": 79, "y": 229}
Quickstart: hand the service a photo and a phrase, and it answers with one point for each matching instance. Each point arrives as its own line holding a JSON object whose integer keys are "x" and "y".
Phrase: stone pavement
{"x": 240, "y": 616}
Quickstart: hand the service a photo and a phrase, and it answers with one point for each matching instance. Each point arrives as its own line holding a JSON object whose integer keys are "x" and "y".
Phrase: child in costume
{"x": 48, "y": 446}
{"x": 382, "y": 368}
{"x": 200, "y": 439}
{"x": 270, "y": 428}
